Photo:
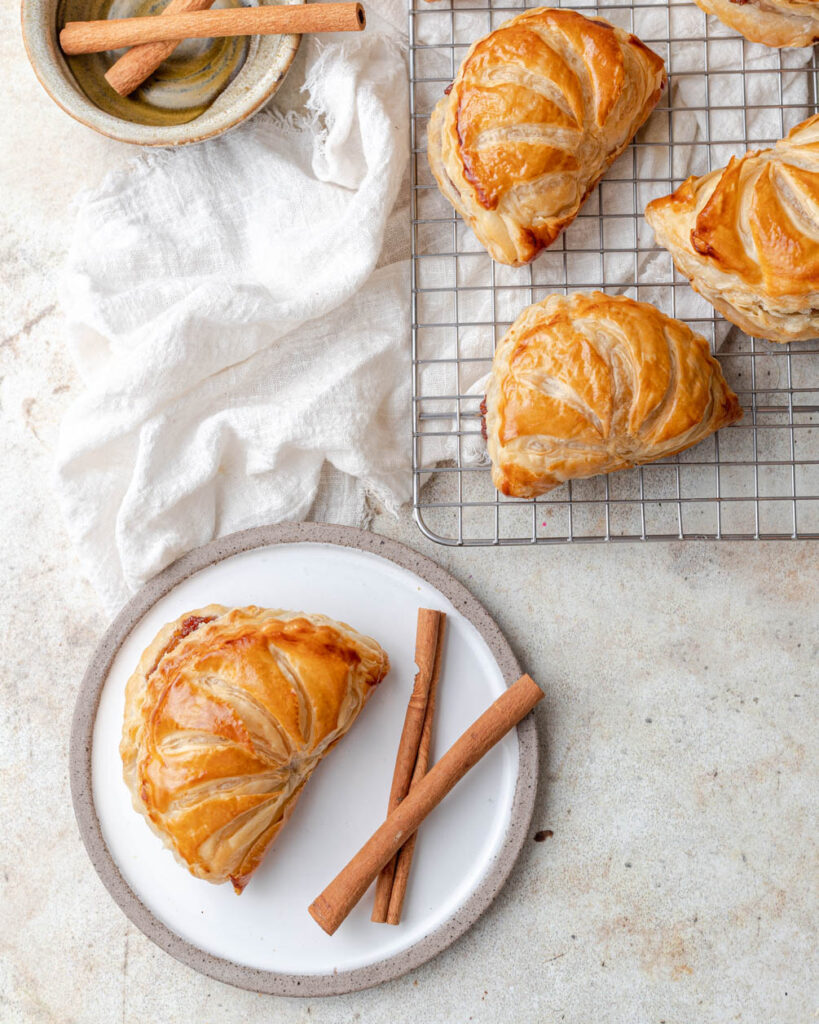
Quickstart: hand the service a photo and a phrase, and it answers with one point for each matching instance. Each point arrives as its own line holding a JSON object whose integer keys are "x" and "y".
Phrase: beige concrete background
{"x": 678, "y": 736}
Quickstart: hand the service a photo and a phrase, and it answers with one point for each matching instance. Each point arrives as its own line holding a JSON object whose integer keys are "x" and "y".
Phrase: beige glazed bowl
{"x": 266, "y": 62}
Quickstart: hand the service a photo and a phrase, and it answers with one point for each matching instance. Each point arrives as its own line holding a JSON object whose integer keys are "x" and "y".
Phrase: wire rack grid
{"x": 758, "y": 479}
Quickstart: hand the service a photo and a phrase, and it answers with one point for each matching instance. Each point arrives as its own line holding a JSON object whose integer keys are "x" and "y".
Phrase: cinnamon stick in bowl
{"x": 130, "y": 71}
{"x": 277, "y": 19}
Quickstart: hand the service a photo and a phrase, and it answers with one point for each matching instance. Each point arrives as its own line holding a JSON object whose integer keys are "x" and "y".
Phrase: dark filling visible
{"x": 192, "y": 623}
{"x": 483, "y": 418}
{"x": 188, "y": 626}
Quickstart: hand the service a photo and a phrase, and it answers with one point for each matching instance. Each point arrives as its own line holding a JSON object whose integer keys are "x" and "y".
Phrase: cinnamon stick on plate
{"x": 111, "y": 33}
{"x": 341, "y": 895}
{"x": 403, "y": 860}
{"x": 426, "y": 646}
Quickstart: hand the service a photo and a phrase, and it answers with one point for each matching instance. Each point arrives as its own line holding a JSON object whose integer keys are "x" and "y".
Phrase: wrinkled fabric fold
{"x": 240, "y": 329}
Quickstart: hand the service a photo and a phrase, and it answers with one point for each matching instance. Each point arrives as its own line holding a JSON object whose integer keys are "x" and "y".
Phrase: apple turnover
{"x": 772, "y": 22}
{"x": 747, "y": 236}
{"x": 538, "y": 111}
{"x": 590, "y": 383}
{"x": 226, "y": 716}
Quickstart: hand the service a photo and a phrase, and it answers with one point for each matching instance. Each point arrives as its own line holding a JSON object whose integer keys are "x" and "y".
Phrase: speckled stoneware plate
{"x": 264, "y": 939}
{"x": 265, "y": 63}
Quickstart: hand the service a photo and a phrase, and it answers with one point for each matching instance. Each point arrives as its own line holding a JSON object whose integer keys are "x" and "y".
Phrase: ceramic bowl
{"x": 266, "y": 63}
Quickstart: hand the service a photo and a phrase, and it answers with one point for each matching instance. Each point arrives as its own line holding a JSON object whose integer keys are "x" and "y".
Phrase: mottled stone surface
{"x": 675, "y": 876}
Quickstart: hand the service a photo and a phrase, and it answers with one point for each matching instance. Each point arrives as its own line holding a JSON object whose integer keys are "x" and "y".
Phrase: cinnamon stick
{"x": 111, "y": 33}
{"x": 403, "y": 859}
{"x": 140, "y": 62}
{"x": 331, "y": 907}
{"x": 426, "y": 646}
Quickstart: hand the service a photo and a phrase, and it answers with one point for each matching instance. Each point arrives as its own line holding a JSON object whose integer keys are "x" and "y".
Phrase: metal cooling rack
{"x": 758, "y": 479}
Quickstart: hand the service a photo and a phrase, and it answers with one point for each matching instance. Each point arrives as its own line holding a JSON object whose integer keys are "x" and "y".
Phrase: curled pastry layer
{"x": 226, "y": 716}
{"x": 747, "y": 236}
{"x": 590, "y": 383}
{"x": 538, "y": 110}
{"x": 772, "y": 22}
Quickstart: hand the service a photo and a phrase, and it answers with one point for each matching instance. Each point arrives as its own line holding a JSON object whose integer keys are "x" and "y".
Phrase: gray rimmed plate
{"x": 265, "y": 940}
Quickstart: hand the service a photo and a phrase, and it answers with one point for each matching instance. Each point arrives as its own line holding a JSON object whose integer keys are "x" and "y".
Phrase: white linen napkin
{"x": 244, "y": 352}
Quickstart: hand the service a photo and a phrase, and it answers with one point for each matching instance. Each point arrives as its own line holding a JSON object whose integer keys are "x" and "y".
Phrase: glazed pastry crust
{"x": 590, "y": 383}
{"x": 538, "y": 111}
{"x": 772, "y": 22}
{"x": 227, "y": 715}
{"x": 747, "y": 236}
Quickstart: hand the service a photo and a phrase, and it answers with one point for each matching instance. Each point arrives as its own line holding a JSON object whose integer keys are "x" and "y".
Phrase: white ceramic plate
{"x": 265, "y": 939}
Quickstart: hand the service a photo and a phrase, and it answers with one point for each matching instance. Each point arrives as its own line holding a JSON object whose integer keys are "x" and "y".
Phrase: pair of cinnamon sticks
{"x": 393, "y": 842}
{"x": 154, "y": 38}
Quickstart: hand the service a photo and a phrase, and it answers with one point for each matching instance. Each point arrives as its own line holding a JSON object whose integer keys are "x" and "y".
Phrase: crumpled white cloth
{"x": 245, "y": 354}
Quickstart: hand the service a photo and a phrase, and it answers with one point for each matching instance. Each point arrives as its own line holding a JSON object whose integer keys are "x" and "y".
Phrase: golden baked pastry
{"x": 747, "y": 236}
{"x": 589, "y": 383}
{"x": 537, "y": 112}
{"x": 226, "y": 716}
{"x": 772, "y": 22}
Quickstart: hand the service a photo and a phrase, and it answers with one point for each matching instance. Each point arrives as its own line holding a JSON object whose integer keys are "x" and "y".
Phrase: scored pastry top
{"x": 747, "y": 236}
{"x": 591, "y": 383}
{"x": 772, "y": 22}
{"x": 538, "y": 110}
{"x": 227, "y": 715}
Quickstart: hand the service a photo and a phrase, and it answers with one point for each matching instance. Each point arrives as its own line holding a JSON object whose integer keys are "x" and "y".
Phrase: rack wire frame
{"x": 758, "y": 479}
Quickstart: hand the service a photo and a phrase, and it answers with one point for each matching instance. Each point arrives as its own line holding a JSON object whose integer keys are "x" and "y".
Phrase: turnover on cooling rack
{"x": 591, "y": 383}
{"x": 227, "y": 715}
{"x": 747, "y": 236}
{"x": 538, "y": 110}
{"x": 772, "y": 22}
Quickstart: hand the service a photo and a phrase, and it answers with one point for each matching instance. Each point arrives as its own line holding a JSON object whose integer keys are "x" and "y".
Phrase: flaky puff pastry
{"x": 226, "y": 716}
{"x": 591, "y": 383}
{"x": 537, "y": 112}
{"x": 747, "y": 236}
{"x": 772, "y": 22}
